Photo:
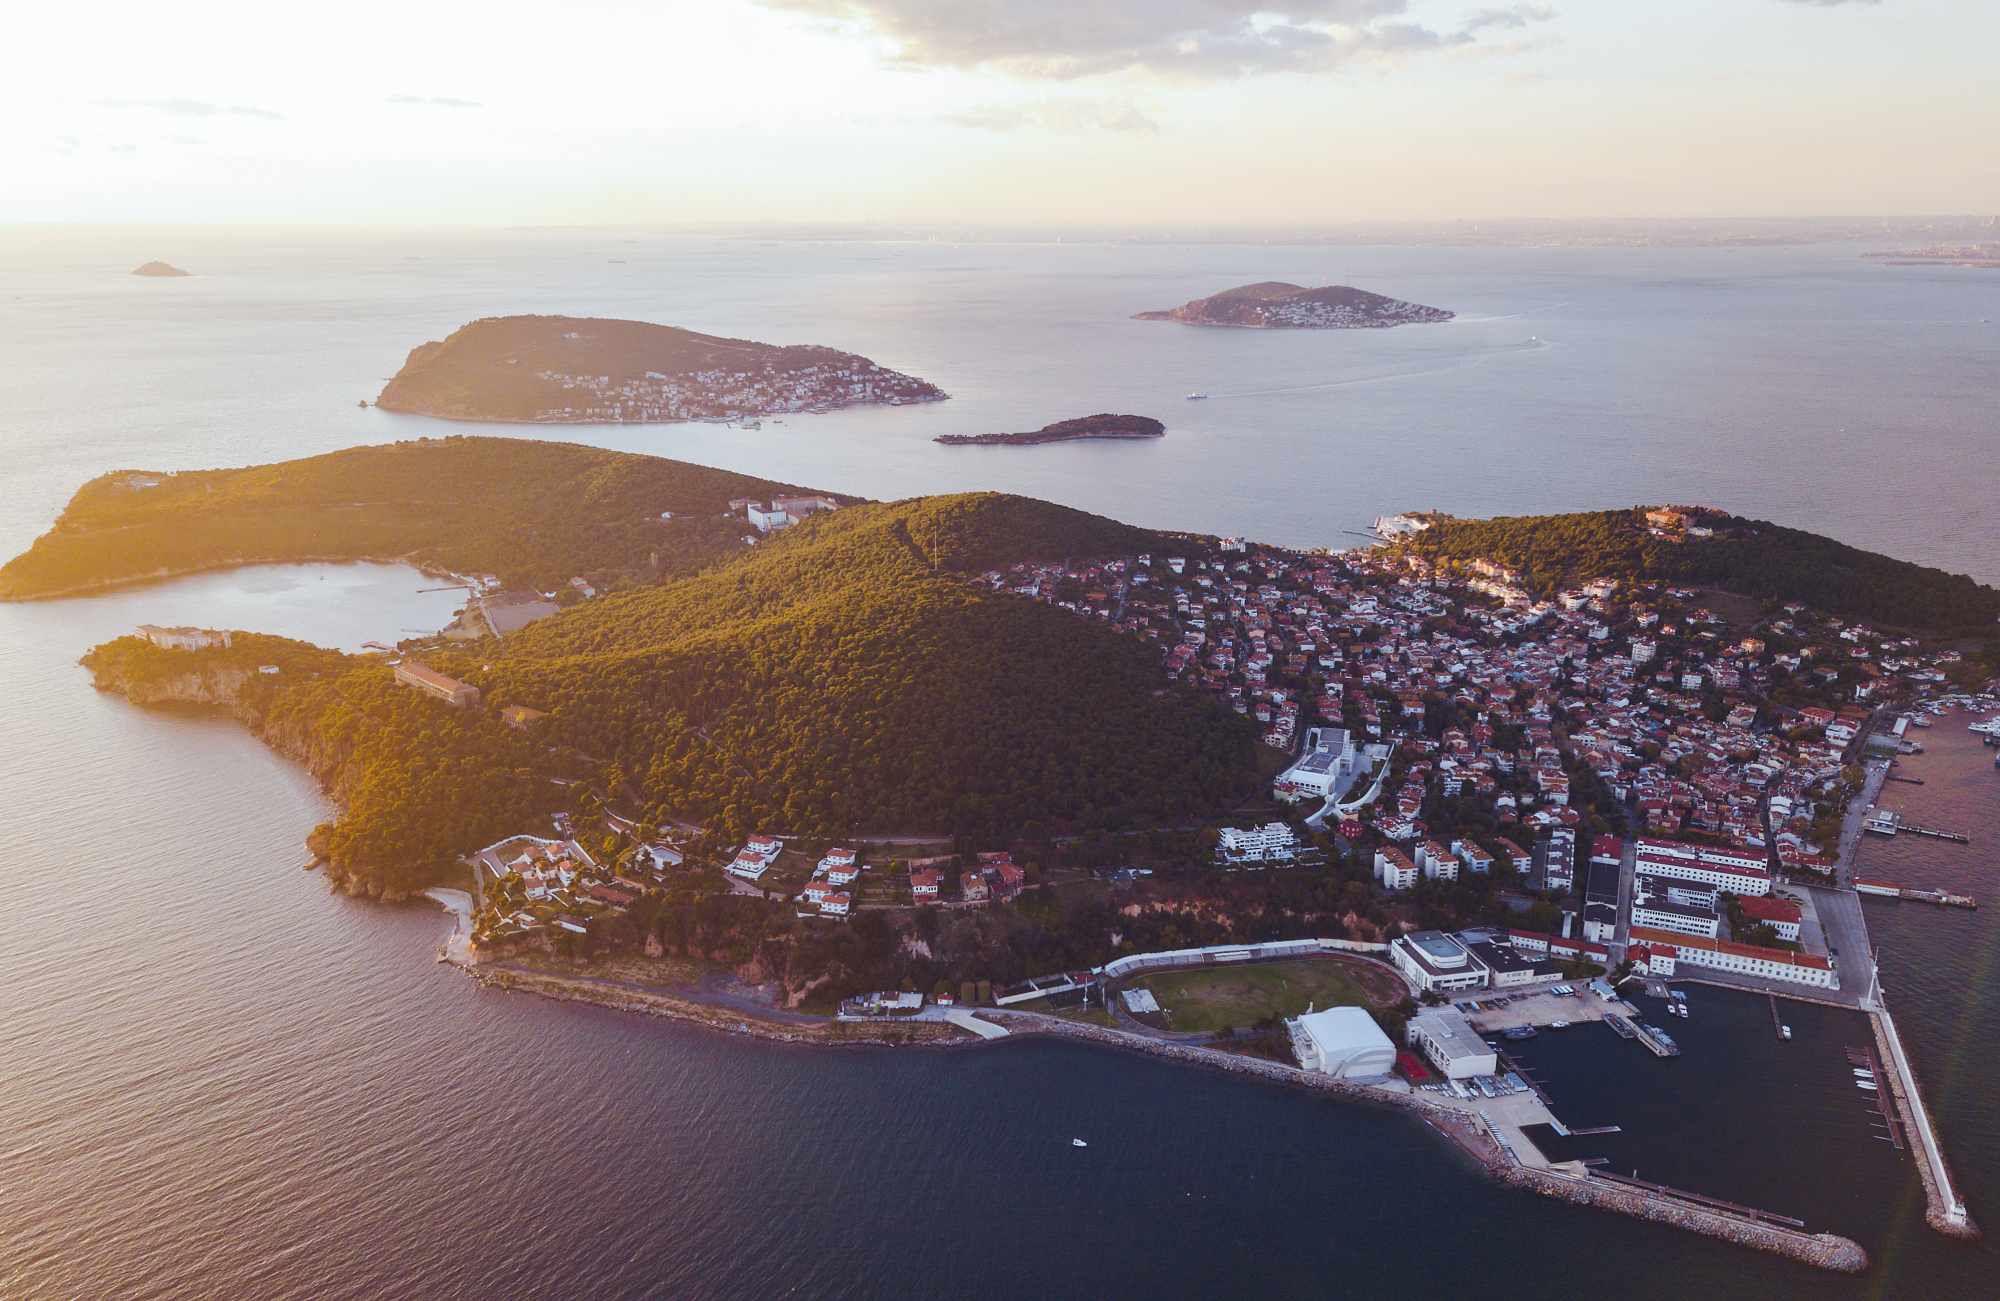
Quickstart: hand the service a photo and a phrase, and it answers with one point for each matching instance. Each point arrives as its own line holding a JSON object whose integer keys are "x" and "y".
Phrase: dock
{"x": 1882, "y": 1100}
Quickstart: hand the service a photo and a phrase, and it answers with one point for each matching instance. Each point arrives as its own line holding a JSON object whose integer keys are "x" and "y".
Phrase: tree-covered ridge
{"x": 834, "y": 681}
{"x": 535, "y": 513}
{"x": 418, "y": 782}
{"x": 1753, "y": 557}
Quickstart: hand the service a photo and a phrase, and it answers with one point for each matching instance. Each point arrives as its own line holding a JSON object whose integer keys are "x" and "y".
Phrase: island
{"x": 1980, "y": 255}
{"x": 957, "y": 767}
{"x": 161, "y": 270}
{"x": 525, "y": 514}
{"x": 585, "y": 370}
{"x": 1277, "y": 305}
{"x": 1101, "y": 425}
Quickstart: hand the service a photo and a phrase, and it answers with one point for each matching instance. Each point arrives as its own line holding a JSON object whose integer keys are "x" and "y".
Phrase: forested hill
{"x": 1752, "y": 557}
{"x": 848, "y": 677}
{"x": 534, "y": 513}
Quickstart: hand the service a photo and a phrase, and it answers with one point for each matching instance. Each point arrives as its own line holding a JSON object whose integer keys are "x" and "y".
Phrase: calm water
{"x": 219, "y": 1080}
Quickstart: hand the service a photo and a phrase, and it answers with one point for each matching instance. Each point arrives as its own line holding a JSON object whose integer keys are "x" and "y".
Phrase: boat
{"x": 363, "y": 404}
{"x": 1919, "y": 720}
{"x": 1077, "y": 1142}
{"x": 1558, "y": 1025}
{"x": 1784, "y": 1032}
{"x": 1518, "y": 1032}
{"x": 1197, "y": 396}
{"x": 1864, "y": 1086}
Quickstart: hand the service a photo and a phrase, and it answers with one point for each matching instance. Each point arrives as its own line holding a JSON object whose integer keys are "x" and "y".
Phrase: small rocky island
{"x": 1102, "y": 425}
{"x": 1277, "y": 305}
{"x": 583, "y": 370}
{"x": 160, "y": 269}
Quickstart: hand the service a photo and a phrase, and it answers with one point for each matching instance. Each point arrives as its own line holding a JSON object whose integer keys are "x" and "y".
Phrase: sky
{"x": 1112, "y": 113}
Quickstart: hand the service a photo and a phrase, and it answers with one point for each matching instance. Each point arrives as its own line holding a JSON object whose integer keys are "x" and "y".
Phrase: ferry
{"x": 1197, "y": 396}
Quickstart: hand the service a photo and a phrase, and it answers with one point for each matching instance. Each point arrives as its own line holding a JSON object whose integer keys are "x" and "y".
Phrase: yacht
{"x": 1784, "y": 1032}
{"x": 1077, "y": 1142}
{"x": 1197, "y": 396}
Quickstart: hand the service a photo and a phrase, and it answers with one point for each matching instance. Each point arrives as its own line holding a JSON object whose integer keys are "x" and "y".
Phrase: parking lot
{"x": 1539, "y": 1007}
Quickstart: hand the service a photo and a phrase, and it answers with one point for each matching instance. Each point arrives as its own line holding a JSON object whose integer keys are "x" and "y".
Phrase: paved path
{"x": 965, "y": 1020}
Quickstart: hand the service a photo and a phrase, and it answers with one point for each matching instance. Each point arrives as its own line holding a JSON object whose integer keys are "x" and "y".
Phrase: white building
{"x": 765, "y": 519}
{"x": 1394, "y": 869}
{"x": 1436, "y": 862}
{"x": 1436, "y": 963}
{"x": 1725, "y": 877}
{"x": 1662, "y": 914}
{"x": 1274, "y": 842}
{"x": 1343, "y": 1042}
{"x": 1744, "y": 959}
{"x": 1444, "y": 1036}
{"x": 1321, "y": 769}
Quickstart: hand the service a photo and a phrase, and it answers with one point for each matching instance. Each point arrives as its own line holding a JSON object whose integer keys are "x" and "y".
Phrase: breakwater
{"x": 1472, "y": 1135}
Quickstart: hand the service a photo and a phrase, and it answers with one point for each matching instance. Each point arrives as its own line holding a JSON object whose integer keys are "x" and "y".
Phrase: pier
{"x": 1947, "y": 1212}
{"x": 1883, "y": 1099}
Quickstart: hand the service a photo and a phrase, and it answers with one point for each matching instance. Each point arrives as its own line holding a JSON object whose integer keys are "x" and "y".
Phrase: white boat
{"x": 1077, "y": 1142}
{"x": 1197, "y": 396}
{"x": 1784, "y": 1032}
{"x": 1558, "y": 1025}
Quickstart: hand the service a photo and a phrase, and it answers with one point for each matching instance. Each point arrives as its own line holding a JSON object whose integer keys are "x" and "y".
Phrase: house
{"x": 924, "y": 885}
{"x": 835, "y": 905}
{"x": 972, "y": 887}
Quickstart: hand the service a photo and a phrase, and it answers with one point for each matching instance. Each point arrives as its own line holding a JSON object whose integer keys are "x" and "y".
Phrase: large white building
{"x": 1274, "y": 842}
{"x": 1727, "y": 877}
{"x": 1662, "y": 914}
{"x": 1435, "y": 962}
{"x": 1343, "y": 1042}
{"x": 1744, "y": 959}
{"x": 1320, "y": 771}
{"x": 1453, "y": 1046}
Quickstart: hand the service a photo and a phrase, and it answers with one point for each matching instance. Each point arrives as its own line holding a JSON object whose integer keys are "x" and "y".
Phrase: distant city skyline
{"x": 1227, "y": 113}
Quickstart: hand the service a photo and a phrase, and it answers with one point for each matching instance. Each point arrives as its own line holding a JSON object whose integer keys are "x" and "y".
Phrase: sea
{"x": 219, "y": 1079}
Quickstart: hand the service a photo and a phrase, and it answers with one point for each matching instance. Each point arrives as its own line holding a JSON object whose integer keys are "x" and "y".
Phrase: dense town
{"x": 839, "y": 381}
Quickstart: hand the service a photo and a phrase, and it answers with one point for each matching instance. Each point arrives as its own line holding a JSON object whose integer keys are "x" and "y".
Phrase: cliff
{"x": 1278, "y": 305}
{"x": 1101, "y": 425}
{"x": 583, "y": 370}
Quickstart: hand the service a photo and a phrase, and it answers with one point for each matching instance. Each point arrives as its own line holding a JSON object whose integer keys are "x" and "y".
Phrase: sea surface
{"x": 220, "y": 1080}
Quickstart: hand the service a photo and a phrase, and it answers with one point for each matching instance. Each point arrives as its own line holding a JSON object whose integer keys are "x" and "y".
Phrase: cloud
{"x": 193, "y": 108}
{"x": 1068, "y": 39}
{"x": 1058, "y": 114}
{"x": 1512, "y": 18}
{"x": 435, "y": 101}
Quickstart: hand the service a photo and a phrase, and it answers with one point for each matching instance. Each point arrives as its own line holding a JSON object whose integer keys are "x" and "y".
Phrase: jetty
{"x": 1946, "y": 1210}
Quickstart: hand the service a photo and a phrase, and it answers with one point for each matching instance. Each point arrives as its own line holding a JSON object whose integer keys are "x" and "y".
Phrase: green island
{"x": 533, "y": 513}
{"x": 1702, "y": 545}
{"x": 950, "y": 743}
{"x": 1102, "y": 425}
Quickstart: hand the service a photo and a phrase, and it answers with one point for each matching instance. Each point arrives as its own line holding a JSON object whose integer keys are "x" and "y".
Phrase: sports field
{"x": 1210, "y": 999}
